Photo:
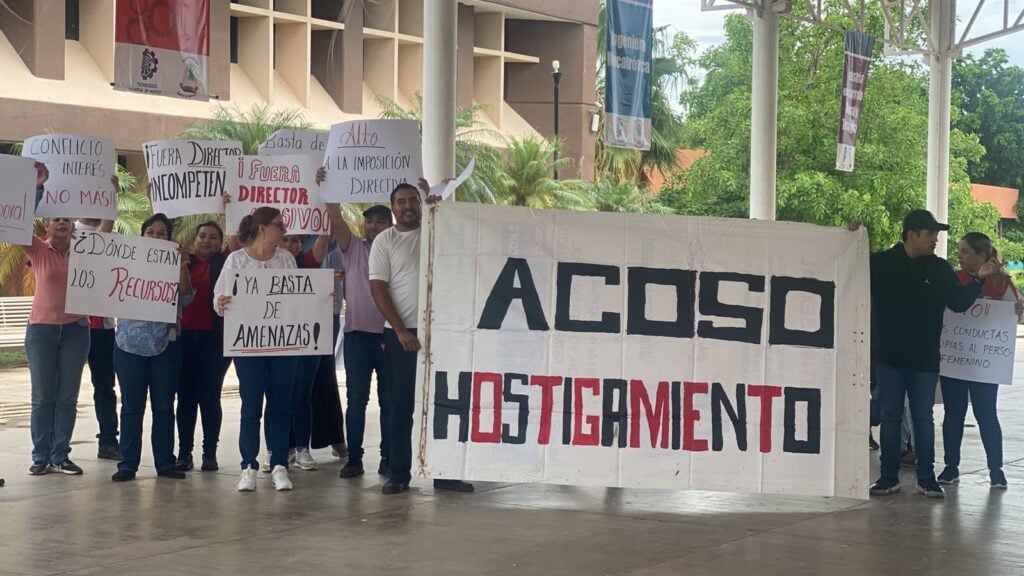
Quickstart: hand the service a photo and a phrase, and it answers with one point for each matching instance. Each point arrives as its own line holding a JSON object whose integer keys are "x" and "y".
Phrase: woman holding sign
{"x": 975, "y": 250}
{"x": 270, "y": 376}
{"x": 147, "y": 359}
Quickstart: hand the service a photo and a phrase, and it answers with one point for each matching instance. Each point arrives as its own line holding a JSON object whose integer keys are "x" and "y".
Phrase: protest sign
{"x": 123, "y": 276}
{"x": 285, "y": 312}
{"x": 80, "y": 168}
{"x": 366, "y": 159}
{"x": 308, "y": 142}
{"x": 446, "y": 190}
{"x": 188, "y": 177}
{"x": 642, "y": 351}
{"x": 979, "y": 344}
{"x": 287, "y": 183}
{"x": 17, "y": 199}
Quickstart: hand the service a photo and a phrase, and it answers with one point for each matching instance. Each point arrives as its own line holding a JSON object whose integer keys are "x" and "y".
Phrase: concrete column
{"x": 940, "y": 76}
{"x": 440, "y": 32}
{"x": 763, "y": 114}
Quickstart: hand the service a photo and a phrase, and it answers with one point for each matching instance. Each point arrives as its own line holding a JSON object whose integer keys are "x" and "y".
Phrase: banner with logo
{"x": 628, "y": 84}
{"x": 979, "y": 345}
{"x": 642, "y": 351}
{"x": 287, "y": 183}
{"x": 17, "y": 199}
{"x": 80, "y": 169}
{"x": 188, "y": 176}
{"x": 311, "y": 142}
{"x": 366, "y": 159}
{"x": 855, "y": 79}
{"x": 162, "y": 47}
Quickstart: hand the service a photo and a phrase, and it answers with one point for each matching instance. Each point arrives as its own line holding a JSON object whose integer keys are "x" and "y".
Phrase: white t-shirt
{"x": 240, "y": 259}
{"x": 395, "y": 259}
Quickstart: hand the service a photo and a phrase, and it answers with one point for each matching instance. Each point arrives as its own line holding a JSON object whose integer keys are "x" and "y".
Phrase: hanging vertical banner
{"x": 627, "y": 103}
{"x": 162, "y": 47}
{"x": 855, "y": 78}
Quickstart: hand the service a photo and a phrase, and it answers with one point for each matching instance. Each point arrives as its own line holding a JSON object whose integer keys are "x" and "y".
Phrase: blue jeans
{"x": 895, "y": 385}
{"x": 157, "y": 376}
{"x": 56, "y": 356}
{"x": 400, "y": 382}
{"x": 202, "y": 379}
{"x": 364, "y": 354}
{"x": 273, "y": 377}
{"x": 983, "y": 400}
{"x": 302, "y": 400}
{"x": 101, "y": 371}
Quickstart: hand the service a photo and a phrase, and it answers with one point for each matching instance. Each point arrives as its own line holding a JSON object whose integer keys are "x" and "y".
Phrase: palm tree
{"x": 609, "y": 196}
{"x": 522, "y": 175}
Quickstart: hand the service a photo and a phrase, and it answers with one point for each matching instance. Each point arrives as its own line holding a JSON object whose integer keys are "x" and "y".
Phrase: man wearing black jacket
{"x": 910, "y": 289}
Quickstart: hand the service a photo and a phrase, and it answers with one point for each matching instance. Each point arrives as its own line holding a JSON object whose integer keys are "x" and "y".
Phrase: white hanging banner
{"x": 188, "y": 176}
{"x": 366, "y": 159}
{"x": 80, "y": 169}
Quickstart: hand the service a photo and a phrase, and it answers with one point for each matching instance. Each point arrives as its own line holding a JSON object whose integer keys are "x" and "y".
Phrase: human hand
{"x": 222, "y": 303}
{"x": 408, "y": 340}
{"x": 321, "y": 175}
{"x": 990, "y": 268}
{"x": 42, "y": 174}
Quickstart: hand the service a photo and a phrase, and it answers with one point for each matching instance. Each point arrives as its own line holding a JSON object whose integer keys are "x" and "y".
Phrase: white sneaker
{"x": 279, "y": 477}
{"x": 265, "y": 467}
{"x": 247, "y": 483}
{"x": 304, "y": 460}
{"x": 291, "y": 456}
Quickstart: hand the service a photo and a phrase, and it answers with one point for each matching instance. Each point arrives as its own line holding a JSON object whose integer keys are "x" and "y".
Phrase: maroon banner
{"x": 855, "y": 79}
{"x": 162, "y": 47}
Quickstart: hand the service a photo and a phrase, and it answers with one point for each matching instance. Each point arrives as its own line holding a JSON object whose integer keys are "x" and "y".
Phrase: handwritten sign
{"x": 188, "y": 177}
{"x": 308, "y": 142}
{"x": 17, "y": 199}
{"x": 979, "y": 344}
{"x": 366, "y": 159}
{"x": 287, "y": 183}
{"x": 123, "y": 276}
{"x": 279, "y": 313}
{"x": 80, "y": 169}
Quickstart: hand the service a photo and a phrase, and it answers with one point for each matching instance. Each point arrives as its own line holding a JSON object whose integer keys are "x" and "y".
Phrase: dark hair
{"x": 403, "y": 186}
{"x": 158, "y": 217}
{"x": 981, "y": 244}
{"x": 249, "y": 227}
{"x": 211, "y": 224}
{"x": 377, "y": 210}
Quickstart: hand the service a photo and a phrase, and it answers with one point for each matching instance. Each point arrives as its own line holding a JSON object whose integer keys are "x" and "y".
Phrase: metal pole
{"x": 939, "y": 88}
{"x": 440, "y": 30}
{"x": 763, "y": 113}
{"x": 556, "y": 75}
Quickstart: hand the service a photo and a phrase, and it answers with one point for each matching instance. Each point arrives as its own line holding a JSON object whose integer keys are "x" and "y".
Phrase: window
{"x": 71, "y": 28}
{"x": 234, "y": 40}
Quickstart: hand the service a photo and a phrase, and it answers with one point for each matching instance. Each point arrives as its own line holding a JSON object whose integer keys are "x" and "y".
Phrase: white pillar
{"x": 939, "y": 89}
{"x": 764, "y": 99}
{"x": 440, "y": 31}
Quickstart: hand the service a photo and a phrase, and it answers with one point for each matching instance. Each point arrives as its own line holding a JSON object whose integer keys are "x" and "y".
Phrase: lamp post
{"x": 556, "y": 75}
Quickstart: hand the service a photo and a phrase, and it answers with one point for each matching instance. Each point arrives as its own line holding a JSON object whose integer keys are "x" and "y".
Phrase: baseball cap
{"x": 923, "y": 220}
{"x": 377, "y": 210}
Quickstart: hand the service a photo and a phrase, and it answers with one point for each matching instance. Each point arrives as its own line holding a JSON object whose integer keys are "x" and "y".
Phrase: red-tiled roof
{"x": 685, "y": 159}
{"x": 1004, "y": 199}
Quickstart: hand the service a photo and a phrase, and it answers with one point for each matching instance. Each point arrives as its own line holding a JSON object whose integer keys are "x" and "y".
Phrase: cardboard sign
{"x": 287, "y": 183}
{"x": 366, "y": 159}
{"x": 642, "y": 351}
{"x": 17, "y": 199}
{"x": 118, "y": 276}
{"x": 979, "y": 344}
{"x": 285, "y": 312}
{"x": 80, "y": 169}
{"x": 284, "y": 142}
{"x": 188, "y": 177}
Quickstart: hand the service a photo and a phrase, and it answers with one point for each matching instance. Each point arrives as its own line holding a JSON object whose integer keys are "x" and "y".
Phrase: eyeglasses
{"x": 280, "y": 225}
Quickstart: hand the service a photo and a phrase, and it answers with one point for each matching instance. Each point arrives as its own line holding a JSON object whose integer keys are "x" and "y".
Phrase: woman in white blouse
{"x": 259, "y": 376}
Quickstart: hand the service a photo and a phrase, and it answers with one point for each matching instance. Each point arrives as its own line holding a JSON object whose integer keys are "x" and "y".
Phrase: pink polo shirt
{"x": 362, "y": 314}
{"x": 50, "y": 269}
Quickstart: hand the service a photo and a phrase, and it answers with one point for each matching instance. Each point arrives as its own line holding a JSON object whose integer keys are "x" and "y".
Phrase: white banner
{"x": 366, "y": 159}
{"x": 643, "y": 351}
{"x": 80, "y": 169}
{"x": 188, "y": 177}
{"x": 283, "y": 312}
{"x": 123, "y": 276}
{"x": 979, "y": 344}
{"x": 287, "y": 183}
{"x": 17, "y": 199}
{"x": 309, "y": 142}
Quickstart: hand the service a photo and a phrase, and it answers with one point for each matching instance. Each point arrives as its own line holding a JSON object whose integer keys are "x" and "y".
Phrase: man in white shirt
{"x": 395, "y": 287}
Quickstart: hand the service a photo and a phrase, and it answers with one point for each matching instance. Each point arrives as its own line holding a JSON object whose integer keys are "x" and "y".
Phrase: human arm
{"x": 185, "y": 290}
{"x": 42, "y": 175}
{"x": 959, "y": 297}
{"x": 339, "y": 228}
{"x": 319, "y": 249}
{"x": 382, "y": 298}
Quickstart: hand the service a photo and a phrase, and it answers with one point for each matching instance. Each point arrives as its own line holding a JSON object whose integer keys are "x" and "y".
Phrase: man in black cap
{"x": 910, "y": 289}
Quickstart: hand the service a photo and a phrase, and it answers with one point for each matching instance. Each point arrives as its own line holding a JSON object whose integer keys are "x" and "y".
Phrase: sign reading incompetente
{"x": 80, "y": 168}
{"x": 642, "y": 351}
{"x": 188, "y": 177}
{"x": 366, "y": 159}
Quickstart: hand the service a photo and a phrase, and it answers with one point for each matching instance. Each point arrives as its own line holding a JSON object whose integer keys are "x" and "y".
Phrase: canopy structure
{"x": 925, "y": 27}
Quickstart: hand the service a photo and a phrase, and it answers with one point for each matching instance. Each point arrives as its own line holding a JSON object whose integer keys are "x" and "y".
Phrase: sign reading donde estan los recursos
{"x": 643, "y": 351}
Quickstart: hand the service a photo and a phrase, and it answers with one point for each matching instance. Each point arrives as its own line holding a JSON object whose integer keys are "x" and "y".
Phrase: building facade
{"x": 329, "y": 59}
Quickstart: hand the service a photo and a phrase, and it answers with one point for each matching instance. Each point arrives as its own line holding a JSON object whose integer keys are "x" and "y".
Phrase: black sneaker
{"x": 453, "y": 485}
{"x": 394, "y": 487}
{"x": 872, "y": 445}
{"x": 38, "y": 469}
{"x": 950, "y": 475}
{"x": 123, "y": 476}
{"x": 171, "y": 473}
{"x": 67, "y": 467}
{"x": 109, "y": 451}
{"x": 185, "y": 462}
{"x": 383, "y": 468}
{"x": 930, "y": 488}
{"x": 997, "y": 479}
{"x": 210, "y": 463}
{"x": 885, "y": 486}
{"x": 351, "y": 469}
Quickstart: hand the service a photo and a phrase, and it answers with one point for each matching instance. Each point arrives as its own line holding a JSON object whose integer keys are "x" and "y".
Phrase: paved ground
{"x": 87, "y": 525}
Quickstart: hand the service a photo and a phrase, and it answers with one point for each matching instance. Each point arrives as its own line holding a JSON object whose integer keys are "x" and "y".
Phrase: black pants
{"x": 203, "y": 369}
{"x": 101, "y": 370}
{"x": 364, "y": 354}
{"x": 400, "y": 391}
{"x": 328, "y": 426}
